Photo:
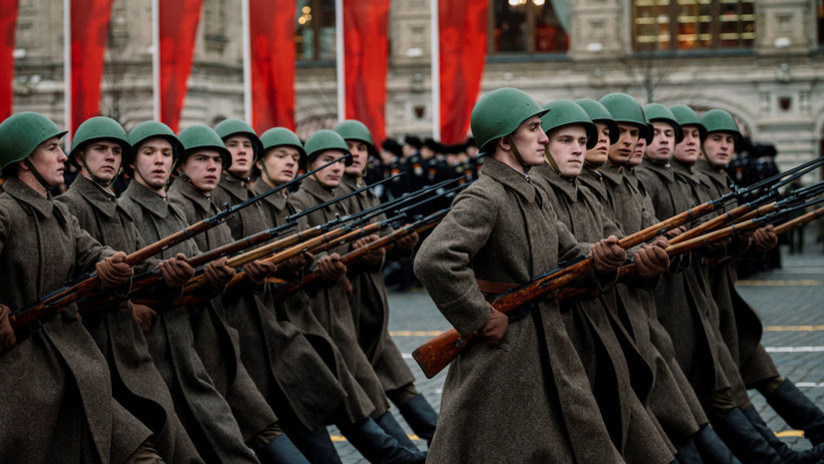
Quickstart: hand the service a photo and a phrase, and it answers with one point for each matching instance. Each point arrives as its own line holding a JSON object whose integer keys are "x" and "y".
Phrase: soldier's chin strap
{"x": 518, "y": 156}
{"x": 37, "y": 174}
{"x": 94, "y": 177}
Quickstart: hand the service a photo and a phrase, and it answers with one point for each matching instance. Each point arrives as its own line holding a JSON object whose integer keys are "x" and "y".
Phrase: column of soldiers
{"x": 205, "y": 363}
{"x": 651, "y": 366}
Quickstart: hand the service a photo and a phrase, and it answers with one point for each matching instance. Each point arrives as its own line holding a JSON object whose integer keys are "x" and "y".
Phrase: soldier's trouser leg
{"x": 416, "y": 411}
{"x": 713, "y": 450}
{"x": 273, "y": 447}
{"x": 316, "y": 445}
{"x": 795, "y": 408}
{"x": 790, "y": 455}
{"x": 738, "y": 432}
{"x": 376, "y": 445}
{"x": 145, "y": 454}
{"x": 687, "y": 453}
{"x": 390, "y": 425}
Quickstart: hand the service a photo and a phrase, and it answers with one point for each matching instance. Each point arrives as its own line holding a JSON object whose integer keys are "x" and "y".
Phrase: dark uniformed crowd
{"x": 222, "y": 348}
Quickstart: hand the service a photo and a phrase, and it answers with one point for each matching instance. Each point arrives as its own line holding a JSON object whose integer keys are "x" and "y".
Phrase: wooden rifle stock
{"x": 799, "y": 221}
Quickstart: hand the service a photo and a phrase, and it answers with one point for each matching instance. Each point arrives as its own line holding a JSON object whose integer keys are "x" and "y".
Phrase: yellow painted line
{"x": 780, "y": 283}
{"x": 790, "y": 433}
{"x": 342, "y": 438}
{"x": 793, "y": 328}
{"x": 414, "y": 333}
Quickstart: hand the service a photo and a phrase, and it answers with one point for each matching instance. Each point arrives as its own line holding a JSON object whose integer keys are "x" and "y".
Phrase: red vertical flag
{"x": 272, "y": 39}
{"x": 89, "y": 31}
{"x": 462, "y": 25}
{"x": 178, "y": 29}
{"x": 366, "y": 55}
{"x": 8, "y": 27}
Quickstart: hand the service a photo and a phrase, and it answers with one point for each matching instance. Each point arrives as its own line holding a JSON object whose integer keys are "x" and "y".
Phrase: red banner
{"x": 272, "y": 38}
{"x": 462, "y": 25}
{"x": 366, "y": 54}
{"x": 178, "y": 28}
{"x": 8, "y": 27}
{"x": 89, "y": 30}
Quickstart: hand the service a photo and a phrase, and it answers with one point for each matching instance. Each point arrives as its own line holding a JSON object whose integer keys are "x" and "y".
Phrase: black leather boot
{"x": 713, "y": 450}
{"x": 687, "y": 453}
{"x": 420, "y": 415}
{"x": 317, "y": 446}
{"x": 281, "y": 450}
{"x": 798, "y": 411}
{"x": 809, "y": 456}
{"x": 391, "y": 426}
{"x": 377, "y": 446}
{"x": 745, "y": 441}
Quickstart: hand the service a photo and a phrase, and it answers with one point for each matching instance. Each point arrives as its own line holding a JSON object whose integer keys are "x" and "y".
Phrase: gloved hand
{"x": 607, "y": 255}
{"x": 144, "y": 315}
{"x": 764, "y": 238}
{"x": 299, "y": 263}
{"x": 408, "y": 242}
{"x": 330, "y": 268}
{"x": 176, "y": 271}
{"x": 114, "y": 270}
{"x": 675, "y": 232}
{"x": 258, "y": 270}
{"x": 218, "y": 273}
{"x": 652, "y": 260}
{"x": 495, "y": 328}
{"x": 7, "y": 338}
{"x": 374, "y": 257}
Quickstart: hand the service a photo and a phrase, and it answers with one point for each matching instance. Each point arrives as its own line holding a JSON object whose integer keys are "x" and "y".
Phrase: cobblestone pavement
{"x": 790, "y": 301}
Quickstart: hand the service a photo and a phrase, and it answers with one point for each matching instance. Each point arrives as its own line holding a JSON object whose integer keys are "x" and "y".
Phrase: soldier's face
{"x": 329, "y": 176}
{"x": 279, "y": 165}
{"x": 242, "y": 152}
{"x": 360, "y": 157}
{"x": 567, "y": 145}
{"x": 598, "y": 154}
{"x": 153, "y": 163}
{"x": 621, "y": 151}
{"x": 638, "y": 154}
{"x": 719, "y": 148}
{"x": 530, "y": 140}
{"x": 203, "y": 167}
{"x": 48, "y": 159}
{"x": 689, "y": 149}
{"x": 662, "y": 143}
{"x": 103, "y": 159}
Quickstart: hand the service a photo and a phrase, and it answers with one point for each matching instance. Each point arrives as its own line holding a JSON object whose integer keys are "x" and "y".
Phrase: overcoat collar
{"x": 318, "y": 191}
{"x": 611, "y": 174}
{"x": 101, "y": 199}
{"x": 189, "y": 191}
{"x": 25, "y": 194}
{"x": 147, "y": 199}
{"x": 277, "y": 199}
{"x": 682, "y": 168}
{"x": 234, "y": 187}
{"x": 718, "y": 176}
{"x": 663, "y": 170}
{"x": 569, "y": 187}
{"x": 511, "y": 178}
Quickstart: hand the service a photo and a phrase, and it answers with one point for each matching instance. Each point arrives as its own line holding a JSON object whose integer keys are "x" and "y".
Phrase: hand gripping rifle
{"x": 87, "y": 284}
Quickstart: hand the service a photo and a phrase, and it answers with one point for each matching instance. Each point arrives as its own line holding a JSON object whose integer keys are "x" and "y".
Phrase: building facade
{"x": 761, "y": 60}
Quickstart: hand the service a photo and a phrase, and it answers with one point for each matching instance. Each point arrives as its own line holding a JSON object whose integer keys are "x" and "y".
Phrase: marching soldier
{"x": 369, "y": 304}
{"x": 100, "y": 147}
{"x": 55, "y": 385}
{"x": 522, "y": 395}
{"x": 199, "y": 404}
{"x": 379, "y": 440}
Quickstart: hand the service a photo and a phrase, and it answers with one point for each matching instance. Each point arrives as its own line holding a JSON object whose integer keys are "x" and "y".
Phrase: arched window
{"x": 528, "y": 26}
{"x": 669, "y": 25}
{"x": 315, "y": 30}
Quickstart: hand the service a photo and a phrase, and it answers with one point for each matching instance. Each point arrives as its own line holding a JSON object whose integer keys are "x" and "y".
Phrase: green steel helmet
{"x": 100, "y": 128}
{"x": 279, "y": 136}
{"x": 598, "y": 113}
{"x": 719, "y": 121}
{"x": 321, "y": 141}
{"x": 659, "y": 112}
{"x": 566, "y": 112}
{"x": 352, "y": 129}
{"x": 22, "y": 132}
{"x": 686, "y": 116}
{"x": 627, "y": 110}
{"x": 234, "y": 126}
{"x": 200, "y": 137}
{"x": 148, "y": 129}
{"x": 499, "y": 113}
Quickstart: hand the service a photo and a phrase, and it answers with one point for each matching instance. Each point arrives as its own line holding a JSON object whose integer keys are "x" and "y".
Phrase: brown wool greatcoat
{"x": 56, "y": 403}
{"x": 216, "y": 341}
{"x": 280, "y": 360}
{"x": 296, "y": 309}
{"x": 636, "y": 305}
{"x": 331, "y": 303}
{"x": 590, "y": 323}
{"x": 370, "y": 306}
{"x": 739, "y": 322}
{"x": 203, "y": 410}
{"x": 136, "y": 381}
{"x": 499, "y": 404}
